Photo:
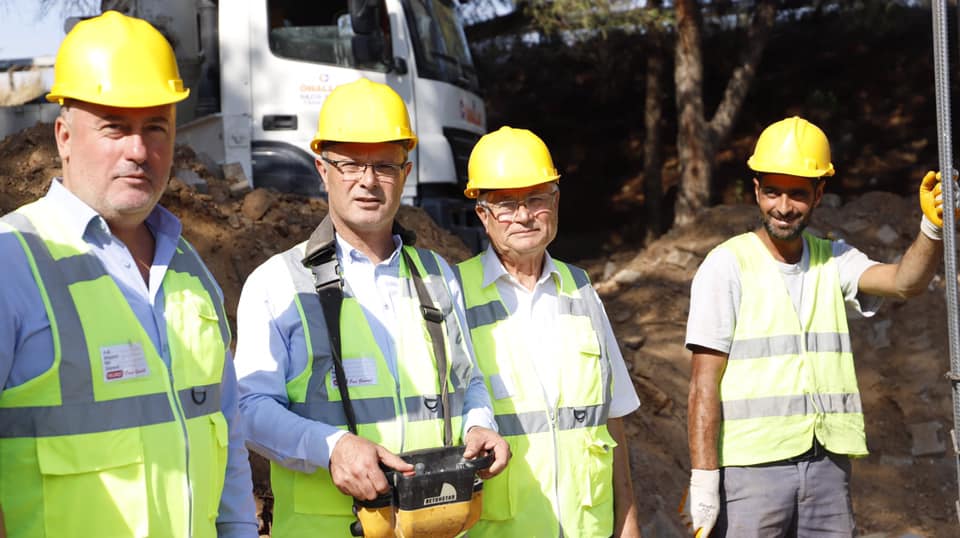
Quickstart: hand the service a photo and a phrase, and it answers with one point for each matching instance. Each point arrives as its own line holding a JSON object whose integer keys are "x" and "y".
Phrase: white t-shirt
{"x": 715, "y": 292}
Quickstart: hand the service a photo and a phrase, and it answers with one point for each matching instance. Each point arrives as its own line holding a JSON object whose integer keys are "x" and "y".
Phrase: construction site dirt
{"x": 906, "y": 485}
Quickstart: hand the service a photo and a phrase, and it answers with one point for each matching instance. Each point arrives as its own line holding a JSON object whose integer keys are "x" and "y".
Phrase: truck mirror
{"x": 364, "y": 16}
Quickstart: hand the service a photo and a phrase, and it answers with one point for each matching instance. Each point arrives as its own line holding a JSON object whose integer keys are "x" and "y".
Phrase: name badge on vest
{"x": 359, "y": 372}
{"x": 123, "y": 361}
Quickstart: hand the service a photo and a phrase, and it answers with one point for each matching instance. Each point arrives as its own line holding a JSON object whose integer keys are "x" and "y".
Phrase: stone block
{"x": 927, "y": 440}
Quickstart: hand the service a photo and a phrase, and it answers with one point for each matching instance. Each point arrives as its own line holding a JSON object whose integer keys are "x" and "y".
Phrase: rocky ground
{"x": 907, "y": 486}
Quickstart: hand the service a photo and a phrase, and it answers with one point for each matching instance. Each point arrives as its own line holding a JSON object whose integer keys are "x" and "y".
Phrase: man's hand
{"x": 355, "y": 467}
{"x": 480, "y": 442}
{"x": 931, "y": 202}
{"x": 702, "y": 502}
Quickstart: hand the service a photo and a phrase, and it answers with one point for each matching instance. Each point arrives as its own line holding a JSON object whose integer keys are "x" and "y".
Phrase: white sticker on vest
{"x": 359, "y": 372}
{"x": 123, "y": 361}
{"x": 501, "y": 387}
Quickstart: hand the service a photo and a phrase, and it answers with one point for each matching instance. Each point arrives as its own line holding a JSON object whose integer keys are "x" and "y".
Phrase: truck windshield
{"x": 439, "y": 43}
{"x": 322, "y": 34}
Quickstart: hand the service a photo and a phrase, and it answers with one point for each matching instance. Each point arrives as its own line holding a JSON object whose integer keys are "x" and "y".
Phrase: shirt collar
{"x": 347, "y": 254}
{"x": 82, "y": 219}
{"x": 494, "y": 270}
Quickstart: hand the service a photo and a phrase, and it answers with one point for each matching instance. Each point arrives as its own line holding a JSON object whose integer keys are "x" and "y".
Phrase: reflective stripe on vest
{"x": 802, "y": 379}
{"x": 126, "y": 455}
{"x": 390, "y": 413}
{"x": 560, "y": 478}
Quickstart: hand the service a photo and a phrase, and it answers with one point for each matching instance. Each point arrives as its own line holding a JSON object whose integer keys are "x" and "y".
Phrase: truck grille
{"x": 461, "y": 144}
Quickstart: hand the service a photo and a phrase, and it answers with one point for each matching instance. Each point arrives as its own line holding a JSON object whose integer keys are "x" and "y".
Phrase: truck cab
{"x": 260, "y": 70}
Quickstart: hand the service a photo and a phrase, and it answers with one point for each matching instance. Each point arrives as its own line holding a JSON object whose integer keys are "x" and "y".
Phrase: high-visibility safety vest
{"x": 401, "y": 414}
{"x": 110, "y": 442}
{"x": 560, "y": 479}
{"x": 788, "y": 379}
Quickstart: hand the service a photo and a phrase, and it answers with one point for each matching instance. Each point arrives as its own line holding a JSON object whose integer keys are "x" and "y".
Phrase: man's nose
{"x": 136, "y": 149}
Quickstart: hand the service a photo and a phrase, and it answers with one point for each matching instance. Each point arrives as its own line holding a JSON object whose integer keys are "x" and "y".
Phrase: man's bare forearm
{"x": 624, "y": 509}
{"x": 703, "y": 408}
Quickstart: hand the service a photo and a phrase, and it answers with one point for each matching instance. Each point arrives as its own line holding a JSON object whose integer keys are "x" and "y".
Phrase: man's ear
{"x": 61, "y": 133}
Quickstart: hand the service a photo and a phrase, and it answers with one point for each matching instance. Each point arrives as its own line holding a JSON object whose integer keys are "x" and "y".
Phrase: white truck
{"x": 259, "y": 71}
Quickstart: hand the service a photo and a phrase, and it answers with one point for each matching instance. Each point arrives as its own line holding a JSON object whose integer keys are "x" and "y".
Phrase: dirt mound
{"x": 906, "y": 484}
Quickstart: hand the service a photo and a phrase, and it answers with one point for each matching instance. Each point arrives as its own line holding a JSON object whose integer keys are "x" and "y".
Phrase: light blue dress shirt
{"x": 271, "y": 352}
{"x": 26, "y": 343}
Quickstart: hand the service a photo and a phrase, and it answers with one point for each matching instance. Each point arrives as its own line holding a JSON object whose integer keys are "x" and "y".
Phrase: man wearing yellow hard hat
{"x": 559, "y": 384}
{"x": 354, "y": 329}
{"x": 774, "y": 408}
{"x": 117, "y": 392}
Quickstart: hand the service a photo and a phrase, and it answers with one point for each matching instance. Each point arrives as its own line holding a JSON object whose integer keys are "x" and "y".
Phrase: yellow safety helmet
{"x": 116, "y": 60}
{"x": 508, "y": 158}
{"x": 363, "y": 111}
{"x": 793, "y": 146}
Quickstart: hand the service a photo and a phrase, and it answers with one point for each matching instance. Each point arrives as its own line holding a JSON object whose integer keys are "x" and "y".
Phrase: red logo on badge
{"x": 116, "y": 374}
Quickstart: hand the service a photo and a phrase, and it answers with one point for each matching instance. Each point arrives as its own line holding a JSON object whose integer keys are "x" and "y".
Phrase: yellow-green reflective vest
{"x": 560, "y": 479}
{"x": 788, "y": 380}
{"x": 82, "y": 455}
{"x": 401, "y": 414}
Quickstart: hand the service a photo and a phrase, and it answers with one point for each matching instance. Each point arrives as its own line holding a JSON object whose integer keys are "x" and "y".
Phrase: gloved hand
{"x": 931, "y": 202}
{"x": 701, "y": 504}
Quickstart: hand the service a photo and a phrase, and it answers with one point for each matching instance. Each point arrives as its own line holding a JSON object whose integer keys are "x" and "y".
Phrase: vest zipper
{"x": 552, "y": 415}
{"x": 186, "y": 450}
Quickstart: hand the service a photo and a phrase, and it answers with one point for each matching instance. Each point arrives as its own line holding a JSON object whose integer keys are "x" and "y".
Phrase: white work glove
{"x": 931, "y": 202}
{"x": 702, "y": 502}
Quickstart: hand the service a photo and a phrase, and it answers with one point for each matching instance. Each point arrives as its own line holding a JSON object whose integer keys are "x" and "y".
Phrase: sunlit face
{"x": 116, "y": 160}
{"x": 786, "y": 203}
{"x": 527, "y": 231}
{"x": 370, "y": 202}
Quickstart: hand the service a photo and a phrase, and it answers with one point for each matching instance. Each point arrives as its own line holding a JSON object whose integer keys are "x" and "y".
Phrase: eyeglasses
{"x": 354, "y": 171}
{"x": 506, "y": 210}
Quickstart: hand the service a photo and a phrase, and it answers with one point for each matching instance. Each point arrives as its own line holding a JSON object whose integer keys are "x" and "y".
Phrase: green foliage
{"x": 554, "y": 17}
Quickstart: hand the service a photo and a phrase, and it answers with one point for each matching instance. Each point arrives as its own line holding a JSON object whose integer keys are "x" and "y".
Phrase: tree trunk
{"x": 652, "y": 144}
{"x": 697, "y": 140}
{"x": 694, "y": 155}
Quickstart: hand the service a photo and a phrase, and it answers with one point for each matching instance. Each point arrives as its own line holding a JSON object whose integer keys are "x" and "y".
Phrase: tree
{"x": 697, "y": 138}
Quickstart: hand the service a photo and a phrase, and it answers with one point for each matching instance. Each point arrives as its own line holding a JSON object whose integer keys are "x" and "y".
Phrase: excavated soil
{"x": 906, "y": 485}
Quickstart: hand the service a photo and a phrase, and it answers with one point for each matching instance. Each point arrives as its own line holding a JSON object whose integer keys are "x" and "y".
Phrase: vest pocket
{"x": 315, "y": 494}
{"x": 94, "y": 484}
{"x": 497, "y": 501}
{"x": 597, "y": 473}
{"x": 218, "y": 468}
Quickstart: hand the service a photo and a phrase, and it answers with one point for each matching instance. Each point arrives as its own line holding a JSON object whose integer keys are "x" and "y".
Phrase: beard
{"x": 789, "y": 233}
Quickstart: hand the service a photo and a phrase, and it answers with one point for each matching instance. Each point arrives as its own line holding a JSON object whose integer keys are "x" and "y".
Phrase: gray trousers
{"x": 803, "y": 499}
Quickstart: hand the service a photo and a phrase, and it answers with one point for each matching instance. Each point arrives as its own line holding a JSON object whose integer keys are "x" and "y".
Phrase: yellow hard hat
{"x": 116, "y": 60}
{"x": 363, "y": 111}
{"x": 793, "y": 146}
{"x": 508, "y": 158}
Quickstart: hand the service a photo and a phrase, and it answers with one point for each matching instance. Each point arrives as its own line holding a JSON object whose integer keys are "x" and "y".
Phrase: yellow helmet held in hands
{"x": 363, "y": 111}
{"x": 793, "y": 146}
{"x": 116, "y": 60}
{"x": 508, "y": 158}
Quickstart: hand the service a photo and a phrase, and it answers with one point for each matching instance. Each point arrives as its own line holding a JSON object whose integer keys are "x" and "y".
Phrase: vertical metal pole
{"x": 945, "y": 144}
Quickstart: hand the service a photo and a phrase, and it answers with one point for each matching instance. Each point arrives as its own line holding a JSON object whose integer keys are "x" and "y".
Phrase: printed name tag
{"x": 359, "y": 372}
{"x": 123, "y": 361}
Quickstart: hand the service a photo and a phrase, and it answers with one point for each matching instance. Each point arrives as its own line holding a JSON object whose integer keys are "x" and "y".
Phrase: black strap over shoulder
{"x": 320, "y": 257}
{"x": 433, "y": 318}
